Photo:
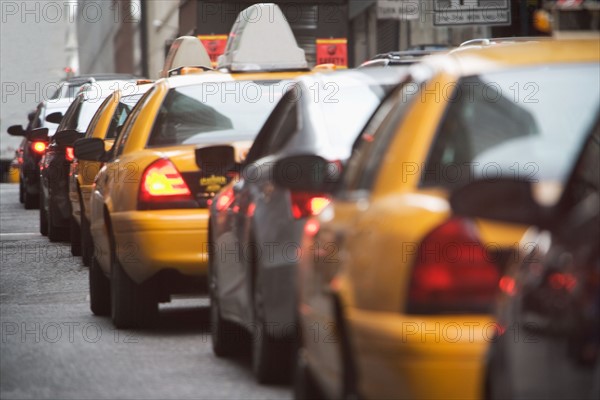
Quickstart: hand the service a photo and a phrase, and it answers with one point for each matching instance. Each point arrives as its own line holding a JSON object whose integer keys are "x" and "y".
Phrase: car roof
{"x": 473, "y": 61}
{"x": 99, "y": 77}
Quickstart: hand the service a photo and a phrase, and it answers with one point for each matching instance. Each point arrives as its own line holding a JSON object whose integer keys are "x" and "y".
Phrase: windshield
{"x": 508, "y": 124}
{"x": 215, "y": 112}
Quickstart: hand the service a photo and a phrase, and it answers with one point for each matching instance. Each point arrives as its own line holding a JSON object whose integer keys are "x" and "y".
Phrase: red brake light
{"x": 38, "y": 147}
{"x": 453, "y": 272}
{"x": 69, "y": 154}
{"x": 163, "y": 186}
{"x": 307, "y": 204}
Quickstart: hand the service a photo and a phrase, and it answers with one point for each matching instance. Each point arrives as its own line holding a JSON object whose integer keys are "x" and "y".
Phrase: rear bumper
{"x": 417, "y": 357}
{"x": 152, "y": 241}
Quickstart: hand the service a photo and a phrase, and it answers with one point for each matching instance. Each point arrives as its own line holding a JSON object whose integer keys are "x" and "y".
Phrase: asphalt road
{"x": 53, "y": 347}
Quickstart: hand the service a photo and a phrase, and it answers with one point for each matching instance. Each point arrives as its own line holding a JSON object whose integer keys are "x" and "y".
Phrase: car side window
{"x": 94, "y": 122}
{"x": 278, "y": 128}
{"x": 585, "y": 178}
{"x": 129, "y": 123}
{"x": 369, "y": 149}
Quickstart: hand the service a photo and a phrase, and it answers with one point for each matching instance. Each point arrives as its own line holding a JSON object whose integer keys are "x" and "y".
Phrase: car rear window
{"x": 528, "y": 123}
{"x": 214, "y": 112}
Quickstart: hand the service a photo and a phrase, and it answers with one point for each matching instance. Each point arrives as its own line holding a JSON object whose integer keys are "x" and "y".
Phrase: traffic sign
{"x": 471, "y": 12}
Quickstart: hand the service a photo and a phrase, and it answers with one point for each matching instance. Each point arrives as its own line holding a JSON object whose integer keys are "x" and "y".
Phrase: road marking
{"x": 20, "y": 234}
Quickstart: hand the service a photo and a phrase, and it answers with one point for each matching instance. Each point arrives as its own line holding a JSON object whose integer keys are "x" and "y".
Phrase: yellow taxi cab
{"x": 394, "y": 292}
{"x": 105, "y": 125}
{"x": 149, "y": 204}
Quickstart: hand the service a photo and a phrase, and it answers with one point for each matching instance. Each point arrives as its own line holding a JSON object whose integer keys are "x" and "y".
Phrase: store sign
{"x": 398, "y": 9}
{"x": 332, "y": 51}
{"x": 214, "y": 45}
{"x": 471, "y": 12}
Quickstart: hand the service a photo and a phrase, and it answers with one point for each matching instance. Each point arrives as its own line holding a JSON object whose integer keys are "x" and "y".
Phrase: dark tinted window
{"x": 520, "y": 123}
{"x": 214, "y": 112}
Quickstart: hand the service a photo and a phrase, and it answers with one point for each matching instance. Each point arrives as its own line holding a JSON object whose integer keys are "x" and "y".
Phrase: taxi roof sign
{"x": 261, "y": 40}
{"x": 186, "y": 51}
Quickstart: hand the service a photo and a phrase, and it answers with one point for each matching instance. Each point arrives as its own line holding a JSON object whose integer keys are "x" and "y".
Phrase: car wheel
{"x": 304, "y": 387}
{"x": 55, "y": 233}
{"x": 43, "y": 217}
{"x": 225, "y": 336}
{"x": 132, "y": 305}
{"x": 21, "y": 192}
{"x": 349, "y": 375}
{"x": 87, "y": 246}
{"x": 75, "y": 232}
{"x": 31, "y": 202}
{"x": 270, "y": 356}
{"x": 99, "y": 290}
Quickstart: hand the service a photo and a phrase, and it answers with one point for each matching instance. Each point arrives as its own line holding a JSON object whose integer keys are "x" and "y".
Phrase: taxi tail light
{"x": 308, "y": 204}
{"x": 452, "y": 272}
{"x": 69, "y": 154}
{"x": 162, "y": 186}
{"x": 38, "y": 147}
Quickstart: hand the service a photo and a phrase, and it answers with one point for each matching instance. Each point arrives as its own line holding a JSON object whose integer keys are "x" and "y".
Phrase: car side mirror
{"x": 38, "y": 135}
{"x": 216, "y": 160}
{"x": 16, "y": 130}
{"x": 307, "y": 173}
{"x": 89, "y": 149}
{"x": 67, "y": 137}
{"x": 55, "y": 117}
{"x": 507, "y": 200}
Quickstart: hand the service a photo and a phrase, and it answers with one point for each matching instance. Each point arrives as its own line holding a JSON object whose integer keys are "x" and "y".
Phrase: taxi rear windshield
{"x": 523, "y": 124}
{"x": 215, "y": 112}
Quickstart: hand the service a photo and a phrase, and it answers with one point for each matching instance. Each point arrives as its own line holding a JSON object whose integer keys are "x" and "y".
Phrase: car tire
{"x": 21, "y": 192}
{"x": 55, "y": 233}
{"x": 87, "y": 245}
{"x": 304, "y": 386}
{"x": 132, "y": 305}
{"x": 75, "y": 233}
{"x": 30, "y": 202}
{"x": 99, "y": 290}
{"x": 43, "y": 217}
{"x": 271, "y": 357}
{"x": 349, "y": 375}
{"x": 225, "y": 336}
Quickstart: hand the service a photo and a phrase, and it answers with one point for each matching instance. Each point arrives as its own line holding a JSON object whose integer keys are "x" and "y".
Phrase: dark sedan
{"x": 256, "y": 222}
{"x": 548, "y": 313}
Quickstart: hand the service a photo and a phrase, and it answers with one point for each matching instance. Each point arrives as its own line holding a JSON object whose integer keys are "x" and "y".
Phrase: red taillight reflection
{"x": 559, "y": 281}
{"x": 38, "y": 147}
{"x": 69, "y": 154}
{"x": 452, "y": 272}
{"x": 507, "y": 285}
{"x": 162, "y": 182}
{"x": 311, "y": 228}
{"x": 225, "y": 199}
{"x": 307, "y": 204}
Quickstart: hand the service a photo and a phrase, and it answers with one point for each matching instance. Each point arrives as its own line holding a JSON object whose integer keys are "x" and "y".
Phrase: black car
{"x": 55, "y": 206}
{"x": 548, "y": 312}
{"x": 33, "y": 148}
{"x": 256, "y": 222}
{"x": 399, "y": 58}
